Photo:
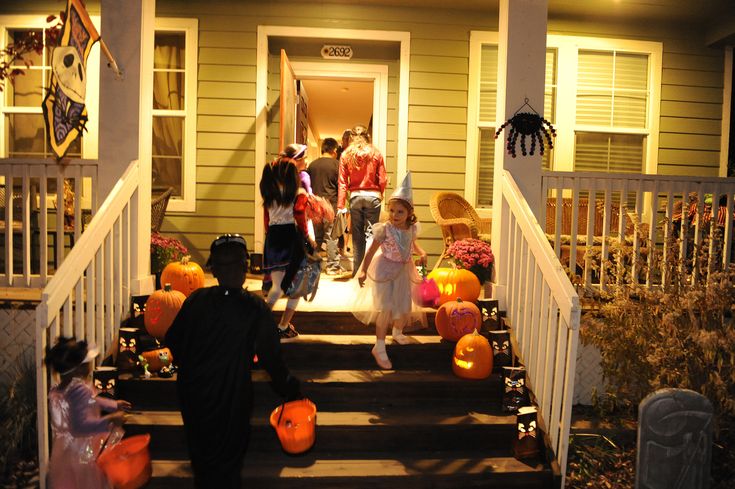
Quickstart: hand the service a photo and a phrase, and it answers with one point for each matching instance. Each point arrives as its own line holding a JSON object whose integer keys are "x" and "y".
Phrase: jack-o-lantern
{"x": 160, "y": 310}
{"x": 158, "y": 358}
{"x": 426, "y": 293}
{"x": 473, "y": 358}
{"x": 456, "y": 282}
{"x": 455, "y": 319}
{"x": 184, "y": 276}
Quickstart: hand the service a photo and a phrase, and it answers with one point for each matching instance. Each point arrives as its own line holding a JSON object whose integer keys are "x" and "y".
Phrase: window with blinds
{"x": 612, "y": 95}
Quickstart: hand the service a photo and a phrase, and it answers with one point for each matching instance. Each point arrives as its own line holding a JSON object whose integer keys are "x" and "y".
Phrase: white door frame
{"x": 378, "y": 74}
{"x": 261, "y": 97}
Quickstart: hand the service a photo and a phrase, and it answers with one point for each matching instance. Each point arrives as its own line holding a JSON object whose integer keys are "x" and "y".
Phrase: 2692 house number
{"x": 336, "y": 52}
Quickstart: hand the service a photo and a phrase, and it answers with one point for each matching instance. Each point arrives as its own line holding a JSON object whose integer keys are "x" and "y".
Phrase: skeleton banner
{"x": 63, "y": 108}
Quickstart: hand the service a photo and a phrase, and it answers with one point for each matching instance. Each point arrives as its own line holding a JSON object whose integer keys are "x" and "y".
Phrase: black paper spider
{"x": 527, "y": 124}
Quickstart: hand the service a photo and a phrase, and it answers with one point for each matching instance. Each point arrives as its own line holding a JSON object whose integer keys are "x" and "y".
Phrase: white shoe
{"x": 400, "y": 338}
{"x": 381, "y": 358}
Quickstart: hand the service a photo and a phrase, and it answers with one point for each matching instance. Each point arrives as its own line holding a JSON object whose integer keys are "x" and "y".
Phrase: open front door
{"x": 289, "y": 101}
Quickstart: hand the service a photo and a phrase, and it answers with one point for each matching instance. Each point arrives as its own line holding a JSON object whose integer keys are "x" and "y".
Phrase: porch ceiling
{"x": 715, "y": 17}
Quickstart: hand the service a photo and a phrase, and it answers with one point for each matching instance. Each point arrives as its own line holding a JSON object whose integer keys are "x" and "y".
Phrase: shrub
{"x": 18, "y": 431}
{"x": 678, "y": 333}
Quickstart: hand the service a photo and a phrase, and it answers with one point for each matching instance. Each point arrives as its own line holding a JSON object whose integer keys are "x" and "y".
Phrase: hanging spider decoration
{"x": 525, "y": 124}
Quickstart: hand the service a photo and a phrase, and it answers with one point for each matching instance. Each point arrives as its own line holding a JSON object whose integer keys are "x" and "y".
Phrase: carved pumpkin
{"x": 456, "y": 282}
{"x": 160, "y": 310}
{"x": 456, "y": 319}
{"x": 184, "y": 276}
{"x": 426, "y": 293}
{"x": 158, "y": 358}
{"x": 473, "y": 358}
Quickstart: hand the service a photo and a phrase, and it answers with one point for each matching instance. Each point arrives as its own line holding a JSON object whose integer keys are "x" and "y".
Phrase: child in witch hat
{"x": 388, "y": 274}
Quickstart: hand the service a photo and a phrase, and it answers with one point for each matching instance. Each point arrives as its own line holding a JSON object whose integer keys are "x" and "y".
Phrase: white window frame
{"x": 565, "y": 116}
{"x": 190, "y": 28}
{"x": 90, "y": 138}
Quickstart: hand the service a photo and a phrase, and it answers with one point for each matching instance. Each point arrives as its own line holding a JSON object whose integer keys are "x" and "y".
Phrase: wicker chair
{"x": 158, "y": 209}
{"x": 457, "y": 220}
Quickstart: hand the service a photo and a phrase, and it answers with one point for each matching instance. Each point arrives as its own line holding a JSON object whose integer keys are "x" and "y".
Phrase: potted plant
{"x": 164, "y": 250}
{"x": 474, "y": 255}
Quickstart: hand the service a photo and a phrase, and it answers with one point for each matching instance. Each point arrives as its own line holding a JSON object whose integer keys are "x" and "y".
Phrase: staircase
{"x": 417, "y": 426}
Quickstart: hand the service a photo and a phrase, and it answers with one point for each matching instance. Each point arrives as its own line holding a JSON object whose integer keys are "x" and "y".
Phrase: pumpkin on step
{"x": 158, "y": 358}
{"x": 160, "y": 310}
{"x": 184, "y": 276}
{"x": 457, "y": 318}
{"x": 456, "y": 282}
{"x": 473, "y": 358}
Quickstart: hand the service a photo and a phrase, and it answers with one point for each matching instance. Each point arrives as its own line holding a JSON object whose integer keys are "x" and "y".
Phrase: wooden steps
{"x": 412, "y": 427}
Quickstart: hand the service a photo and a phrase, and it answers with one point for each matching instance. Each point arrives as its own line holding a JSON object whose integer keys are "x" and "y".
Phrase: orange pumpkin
{"x": 158, "y": 358}
{"x": 456, "y": 282}
{"x": 184, "y": 276}
{"x": 160, "y": 310}
{"x": 456, "y": 319}
{"x": 473, "y": 358}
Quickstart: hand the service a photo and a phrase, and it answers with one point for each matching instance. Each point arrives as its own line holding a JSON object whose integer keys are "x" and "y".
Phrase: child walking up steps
{"x": 387, "y": 274}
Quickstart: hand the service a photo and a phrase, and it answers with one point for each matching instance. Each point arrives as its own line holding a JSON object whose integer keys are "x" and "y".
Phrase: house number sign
{"x": 331, "y": 51}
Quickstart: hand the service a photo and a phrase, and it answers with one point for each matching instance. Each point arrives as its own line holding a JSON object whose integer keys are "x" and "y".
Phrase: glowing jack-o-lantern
{"x": 456, "y": 282}
{"x": 457, "y": 318}
{"x": 161, "y": 309}
{"x": 472, "y": 357}
{"x": 184, "y": 276}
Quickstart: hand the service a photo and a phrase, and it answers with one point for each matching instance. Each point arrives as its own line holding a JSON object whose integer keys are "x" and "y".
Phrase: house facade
{"x": 644, "y": 91}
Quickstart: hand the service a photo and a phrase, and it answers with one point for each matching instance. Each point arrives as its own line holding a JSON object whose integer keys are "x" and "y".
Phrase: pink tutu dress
{"x": 391, "y": 277}
{"x": 79, "y": 433}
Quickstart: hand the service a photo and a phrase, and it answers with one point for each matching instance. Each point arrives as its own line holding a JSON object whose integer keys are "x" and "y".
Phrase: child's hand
{"x": 123, "y": 405}
{"x": 361, "y": 276}
{"x": 422, "y": 259}
{"x": 117, "y": 418}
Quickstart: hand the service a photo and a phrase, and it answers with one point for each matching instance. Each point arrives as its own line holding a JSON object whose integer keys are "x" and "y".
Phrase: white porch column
{"x": 125, "y": 120}
{"x": 521, "y": 71}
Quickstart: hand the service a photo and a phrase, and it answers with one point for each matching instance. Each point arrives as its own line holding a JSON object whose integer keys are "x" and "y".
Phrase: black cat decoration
{"x": 105, "y": 381}
{"x": 526, "y": 443}
{"x": 502, "y": 349}
{"x": 515, "y": 393}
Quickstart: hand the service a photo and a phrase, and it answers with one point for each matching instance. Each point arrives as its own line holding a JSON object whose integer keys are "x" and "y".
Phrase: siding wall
{"x": 227, "y": 198}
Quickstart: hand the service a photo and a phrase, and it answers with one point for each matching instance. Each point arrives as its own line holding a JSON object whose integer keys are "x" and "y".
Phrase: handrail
{"x": 90, "y": 293}
{"x": 544, "y": 314}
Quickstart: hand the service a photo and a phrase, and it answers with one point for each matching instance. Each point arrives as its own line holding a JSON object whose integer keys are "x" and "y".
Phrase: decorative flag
{"x": 63, "y": 108}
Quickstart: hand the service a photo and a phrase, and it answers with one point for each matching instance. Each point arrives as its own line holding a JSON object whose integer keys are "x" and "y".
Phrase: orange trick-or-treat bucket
{"x": 295, "y": 425}
{"x": 127, "y": 465}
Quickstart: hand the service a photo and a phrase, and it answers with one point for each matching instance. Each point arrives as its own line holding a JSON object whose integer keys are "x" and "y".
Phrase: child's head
{"x": 69, "y": 357}
{"x": 296, "y": 154}
{"x": 279, "y": 182}
{"x": 401, "y": 213}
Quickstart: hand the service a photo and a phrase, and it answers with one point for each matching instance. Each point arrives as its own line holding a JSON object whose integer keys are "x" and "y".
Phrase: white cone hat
{"x": 404, "y": 191}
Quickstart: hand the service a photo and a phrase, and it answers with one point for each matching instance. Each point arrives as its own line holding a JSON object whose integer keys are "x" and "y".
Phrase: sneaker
{"x": 287, "y": 334}
{"x": 334, "y": 271}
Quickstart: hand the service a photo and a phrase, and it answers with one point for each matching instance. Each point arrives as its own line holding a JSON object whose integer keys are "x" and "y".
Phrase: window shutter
{"x": 485, "y": 167}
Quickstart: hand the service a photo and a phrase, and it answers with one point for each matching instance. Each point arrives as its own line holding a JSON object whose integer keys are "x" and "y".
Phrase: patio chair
{"x": 457, "y": 220}
{"x": 158, "y": 209}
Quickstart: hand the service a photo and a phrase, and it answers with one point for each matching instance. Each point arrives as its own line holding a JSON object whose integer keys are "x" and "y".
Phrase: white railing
{"x": 543, "y": 310}
{"x": 90, "y": 293}
{"x": 598, "y": 208}
{"x": 31, "y": 194}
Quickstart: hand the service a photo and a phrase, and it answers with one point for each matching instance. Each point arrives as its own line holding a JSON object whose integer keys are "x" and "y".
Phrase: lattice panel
{"x": 16, "y": 337}
{"x": 588, "y": 376}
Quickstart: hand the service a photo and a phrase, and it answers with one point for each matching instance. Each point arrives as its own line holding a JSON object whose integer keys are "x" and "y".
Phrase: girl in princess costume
{"x": 387, "y": 274}
{"x": 79, "y": 429}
